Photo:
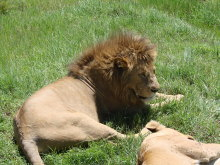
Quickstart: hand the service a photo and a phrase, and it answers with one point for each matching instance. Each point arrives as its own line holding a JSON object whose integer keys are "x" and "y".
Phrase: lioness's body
{"x": 170, "y": 147}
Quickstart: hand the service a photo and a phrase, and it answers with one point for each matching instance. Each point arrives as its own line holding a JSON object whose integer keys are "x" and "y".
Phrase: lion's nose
{"x": 154, "y": 89}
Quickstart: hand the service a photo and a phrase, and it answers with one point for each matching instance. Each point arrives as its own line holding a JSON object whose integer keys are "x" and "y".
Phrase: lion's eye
{"x": 143, "y": 75}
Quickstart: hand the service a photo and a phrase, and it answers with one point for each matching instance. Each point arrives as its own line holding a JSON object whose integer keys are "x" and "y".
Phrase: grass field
{"x": 38, "y": 39}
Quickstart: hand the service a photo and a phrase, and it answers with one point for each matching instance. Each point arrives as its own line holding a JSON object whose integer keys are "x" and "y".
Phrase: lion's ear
{"x": 121, "y": 63}
{"x": 154, "y": 126}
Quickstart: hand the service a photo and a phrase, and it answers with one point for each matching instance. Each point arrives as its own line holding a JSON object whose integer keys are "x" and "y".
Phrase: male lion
{"x": 114, "y": 75}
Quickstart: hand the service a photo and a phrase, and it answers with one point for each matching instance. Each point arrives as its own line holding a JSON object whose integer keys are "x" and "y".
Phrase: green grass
{"x": 203, "y": 14}
{"x": 38, "y": 39}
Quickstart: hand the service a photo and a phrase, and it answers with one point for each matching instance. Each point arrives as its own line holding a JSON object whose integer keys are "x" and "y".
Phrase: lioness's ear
{"x": 154, "y": 126}
{"x": 121, "y": 63}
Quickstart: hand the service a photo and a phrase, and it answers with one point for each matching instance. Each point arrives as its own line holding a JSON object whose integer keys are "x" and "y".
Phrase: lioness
{"x": 168, "y": 146}
{"x": 114, "y": 75}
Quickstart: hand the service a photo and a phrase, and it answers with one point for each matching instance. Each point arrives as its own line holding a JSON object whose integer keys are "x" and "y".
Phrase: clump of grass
{"x": 4, "y": 7}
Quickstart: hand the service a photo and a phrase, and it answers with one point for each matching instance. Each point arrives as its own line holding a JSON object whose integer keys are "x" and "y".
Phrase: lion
{"x": 168, "y": 146}
{"x": 114, "y": 75}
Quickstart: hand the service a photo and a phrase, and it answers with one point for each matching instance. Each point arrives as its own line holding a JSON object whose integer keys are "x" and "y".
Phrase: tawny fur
{"x": 114, "y": 75}
{"x": 168, "y": 146}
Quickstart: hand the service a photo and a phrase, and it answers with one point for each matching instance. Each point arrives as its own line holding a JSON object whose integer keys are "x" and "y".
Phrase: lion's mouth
{"x": 145, "y": 99}
{"x": 142, "y": 97}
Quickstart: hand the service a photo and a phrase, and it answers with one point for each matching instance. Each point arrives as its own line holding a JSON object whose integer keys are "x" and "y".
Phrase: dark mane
{"x": 134, "y": 48}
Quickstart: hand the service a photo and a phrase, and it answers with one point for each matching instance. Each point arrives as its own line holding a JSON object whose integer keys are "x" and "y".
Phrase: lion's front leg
{"x": 95, "y": 130}
{"x": 168, "y": 99}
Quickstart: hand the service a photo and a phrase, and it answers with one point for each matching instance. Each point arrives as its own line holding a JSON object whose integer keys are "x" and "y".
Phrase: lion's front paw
{"x": 174, "y": 97}
{"x": 178, "y": 97}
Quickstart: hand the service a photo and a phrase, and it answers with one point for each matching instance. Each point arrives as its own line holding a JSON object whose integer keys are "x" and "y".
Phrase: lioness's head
{"x": 123, "y": 64}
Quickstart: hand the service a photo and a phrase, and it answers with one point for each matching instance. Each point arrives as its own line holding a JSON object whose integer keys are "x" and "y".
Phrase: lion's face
{"x": 142, "y": 82}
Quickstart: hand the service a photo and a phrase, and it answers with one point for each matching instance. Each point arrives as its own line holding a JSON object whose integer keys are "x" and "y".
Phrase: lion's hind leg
{"x": 73, "y": 128}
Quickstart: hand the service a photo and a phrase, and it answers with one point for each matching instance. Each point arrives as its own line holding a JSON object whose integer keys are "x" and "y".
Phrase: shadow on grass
{"x": 129, "y": 122}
